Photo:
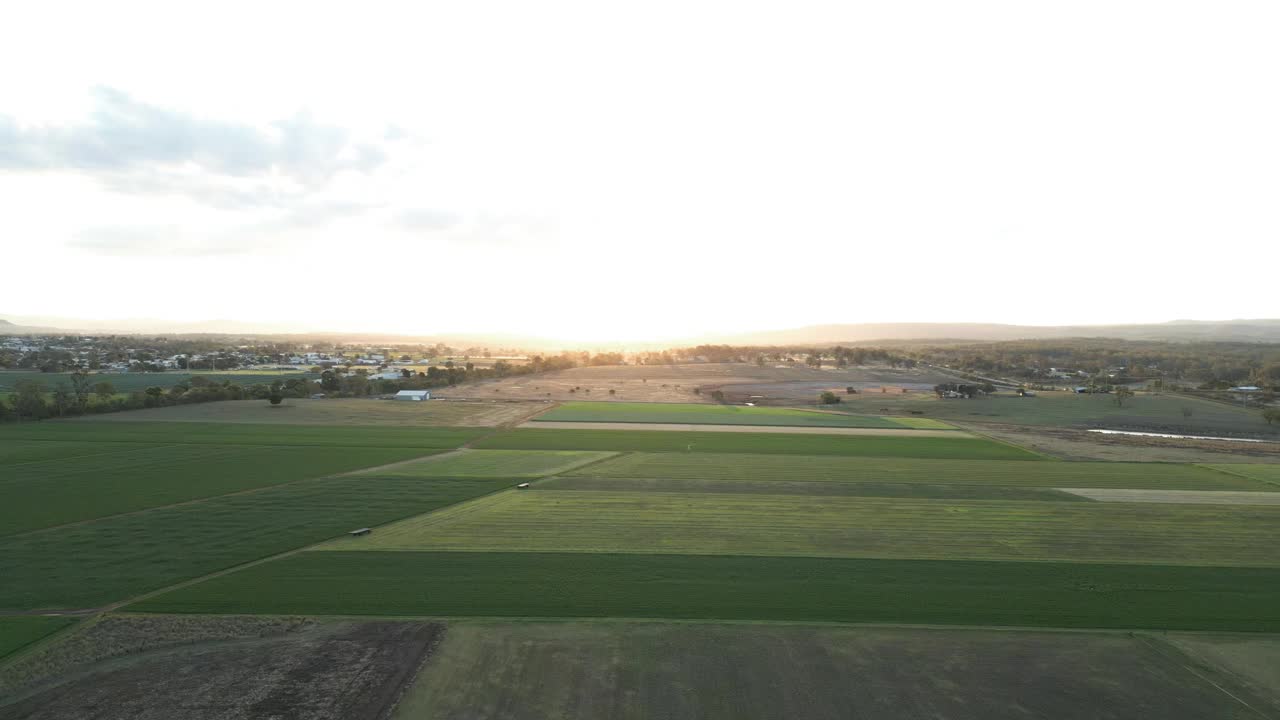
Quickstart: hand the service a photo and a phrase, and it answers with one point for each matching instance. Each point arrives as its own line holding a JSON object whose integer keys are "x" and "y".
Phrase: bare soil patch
{"x": 677, "y": 383}
{"x": 771, "y": 429}
{"x": 1178, "y": 497}
{"x": 316, "y": 671}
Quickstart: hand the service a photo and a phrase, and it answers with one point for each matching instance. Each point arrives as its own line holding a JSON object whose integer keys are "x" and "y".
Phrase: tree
{"x": 717, "y": 395}
{"x": 28, "y": 400}
{"x": 1122, "y": 393}
{"x": 851, "y": 390}
{"x": 80, "y": 386}
{"x": 4, "y": 410}
{"x": 276, "y": 397}
{"x": 62, "y": 399}
{"x": 105, "y": 391}
{"x": 1271, "y": 415}
{"x": 828, "y": 398}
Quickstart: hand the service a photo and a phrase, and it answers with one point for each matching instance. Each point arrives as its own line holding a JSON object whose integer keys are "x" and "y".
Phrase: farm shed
{"x": 413, "y": 395}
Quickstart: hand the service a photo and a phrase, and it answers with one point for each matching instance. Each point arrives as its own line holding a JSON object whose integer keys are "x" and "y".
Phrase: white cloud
{"x": 665, "y": 169}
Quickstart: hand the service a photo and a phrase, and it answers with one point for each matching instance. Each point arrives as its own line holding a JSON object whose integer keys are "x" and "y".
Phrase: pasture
{"x": 153, "y": 432}
{"x": 19, "y": 631}
{"x": 337, "y": 411}
{"x": 625, "y": 412}
{"x": 111, "y": 559}
{"x": 961, "y": 446}
{"x": 813, "y": 487}
{"x": 742, "y": 467}
{"x": 636, "y": 671}
{"x": 1269, "y": 474}
{"x": 131, "y": 382}
{"x": 1174, "y": 413}
{"x": 825, "y": 526}
{"x": 496, "y": 464}
{"x": 136, "y": 476}
{"x": 558, "y": 585}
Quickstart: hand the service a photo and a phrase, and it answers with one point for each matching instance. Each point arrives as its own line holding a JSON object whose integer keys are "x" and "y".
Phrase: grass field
{"x": 823, "y": 526}
{"x": 45, "y": 493}
{"x": 337, "y": 411}
{"x": 129, "y": 382}
{"x": 97, "y": 430}
{"x": 1269, "y": 474}
{"x": 496, "y": 464}
{"x": 1067, "y": 409}
{"x": 20, "y": 631}
{"x": 15, "y": 452}
{"x": 718, "y": 415}
{"x": 1073, "y": 595}
{"x": 89, "y": 564}
{"x": 716, "y": 466}
{"x": 960, "y": 447}
{"x": 637, "y": 671}
{"x": 811, "y": 487}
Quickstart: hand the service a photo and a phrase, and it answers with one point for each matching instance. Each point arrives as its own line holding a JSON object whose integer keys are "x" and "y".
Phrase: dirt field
{"x": 1177, "y": 497}
{"x": 340, "y": 412}
{"x": 742, "y": 672}
{"x": 1070, "y": 444}
{"x": 338, "y": 671}
{"x": 676, "y": 383}
{"x": 680, "y": 427}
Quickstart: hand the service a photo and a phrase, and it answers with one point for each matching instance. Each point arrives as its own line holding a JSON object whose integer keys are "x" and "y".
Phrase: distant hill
{"x": 1263, "y": 330}
{"x": 1176, "y": 331}
{"x": 8, "y": 328}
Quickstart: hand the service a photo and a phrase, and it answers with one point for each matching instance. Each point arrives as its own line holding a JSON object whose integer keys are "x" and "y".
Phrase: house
{"x": 361, "y": 531}
{"x": 413, "y": 395}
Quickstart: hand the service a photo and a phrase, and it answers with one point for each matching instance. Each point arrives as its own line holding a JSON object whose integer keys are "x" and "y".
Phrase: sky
{"x": 603, "y": 171}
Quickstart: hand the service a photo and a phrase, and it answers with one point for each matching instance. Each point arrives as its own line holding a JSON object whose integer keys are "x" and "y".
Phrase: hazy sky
{"x": 604, "y": 170}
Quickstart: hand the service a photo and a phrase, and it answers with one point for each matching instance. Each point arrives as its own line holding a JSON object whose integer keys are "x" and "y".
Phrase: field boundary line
{"x": 192, "y": 501}
{"x": 111, "y": 607}
{"x": 1009, "y": 443}
{"x": 1233, "y": 473}
{"x": 1176, "y": 655}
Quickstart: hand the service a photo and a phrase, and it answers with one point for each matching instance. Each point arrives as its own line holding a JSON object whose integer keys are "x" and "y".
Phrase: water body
{"x": 1174, "y": 435}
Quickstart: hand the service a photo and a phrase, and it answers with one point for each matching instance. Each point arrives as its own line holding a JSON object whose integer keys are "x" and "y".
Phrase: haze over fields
{"x": 678, "y": 171}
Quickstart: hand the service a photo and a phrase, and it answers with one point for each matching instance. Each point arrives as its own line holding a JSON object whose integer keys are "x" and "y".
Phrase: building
{"x": 413, "y": 395}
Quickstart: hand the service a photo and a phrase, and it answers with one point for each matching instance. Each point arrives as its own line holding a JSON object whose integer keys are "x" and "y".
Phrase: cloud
{"x": 276, "y": 231}
{"x": 477, "y": 228}
{"x": 136, "y": 146}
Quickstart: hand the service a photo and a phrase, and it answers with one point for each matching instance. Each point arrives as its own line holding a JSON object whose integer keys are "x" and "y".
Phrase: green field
{"x": 959, "y": 447}
{"x": 114, "y": 558}
{"x": 240, "y": 434}
{"x": 334, "y": 411}
{"x": 1269, "y": 474}
{"x": 698, "y": 414}
{"x": 1067, "y": 409}
{"x": 45, "y": 493}
{"x": 824, "y": 526}
{"x": 14, "y": 452}
{"x": 20, "y": 631}
{"x": 715, "y": 466}
{"x": 1072, "y": 595}
{"x": 129, "y": 382}
{"x": 496, "y": 464}
{"x": 637, "y": 671}
{"x": 809, "y": 487}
